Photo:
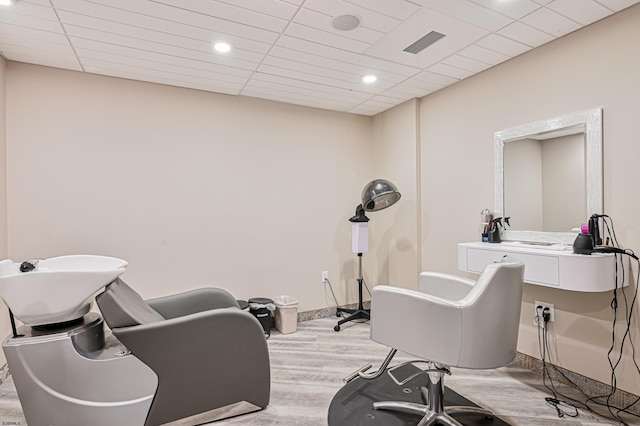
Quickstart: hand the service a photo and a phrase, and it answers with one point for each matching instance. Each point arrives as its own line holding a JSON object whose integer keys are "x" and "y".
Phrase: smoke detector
{"x": 346, "y": 22}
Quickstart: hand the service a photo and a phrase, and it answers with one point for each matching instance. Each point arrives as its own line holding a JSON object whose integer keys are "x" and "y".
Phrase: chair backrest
{"x": 121, "y": 306}
{"x": 491, "y": 316}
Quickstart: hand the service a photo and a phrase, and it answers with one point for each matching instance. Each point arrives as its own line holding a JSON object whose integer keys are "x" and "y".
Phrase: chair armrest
{"x": 418, "y": 323}
{"x": 190, "y": 302}
{"x": 203, "y": 361}
{"x": 447, "y": 286}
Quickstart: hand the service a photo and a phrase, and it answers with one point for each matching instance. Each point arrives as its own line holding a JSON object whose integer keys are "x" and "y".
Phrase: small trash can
{"x": 286, "y": 314}
{"x": 261, "y": 307}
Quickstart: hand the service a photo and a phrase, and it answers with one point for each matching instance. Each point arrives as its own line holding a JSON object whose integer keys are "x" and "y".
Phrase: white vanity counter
{"x": 550, "y": 266}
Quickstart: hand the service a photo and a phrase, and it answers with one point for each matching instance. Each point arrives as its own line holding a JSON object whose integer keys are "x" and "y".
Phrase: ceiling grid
{"x": 288, "y": 50}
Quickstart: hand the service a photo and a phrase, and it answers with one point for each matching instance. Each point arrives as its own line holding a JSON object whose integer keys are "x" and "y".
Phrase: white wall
{"x": 596, "y": 66}
{"x": 192, "y": 188}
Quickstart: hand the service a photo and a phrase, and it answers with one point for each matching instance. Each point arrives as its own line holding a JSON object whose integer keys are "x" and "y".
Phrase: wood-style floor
{"x": 308, "y": 367}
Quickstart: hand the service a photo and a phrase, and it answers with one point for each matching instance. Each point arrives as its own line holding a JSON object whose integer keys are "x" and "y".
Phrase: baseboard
{"x": 591, "y": 387}
{"x": 327, "y": 312}
{"x": 4, "y": 373}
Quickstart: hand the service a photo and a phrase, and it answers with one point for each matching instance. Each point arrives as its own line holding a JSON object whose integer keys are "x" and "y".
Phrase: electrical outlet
{"x": 325, "y": 276}
{"x": 539, "y": 321}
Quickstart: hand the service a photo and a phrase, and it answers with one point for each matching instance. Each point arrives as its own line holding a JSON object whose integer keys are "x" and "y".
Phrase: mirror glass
{"x": 548, "y": 176}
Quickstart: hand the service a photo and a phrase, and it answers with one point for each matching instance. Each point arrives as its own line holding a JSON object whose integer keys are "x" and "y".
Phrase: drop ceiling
{"x": 288, "y": 50}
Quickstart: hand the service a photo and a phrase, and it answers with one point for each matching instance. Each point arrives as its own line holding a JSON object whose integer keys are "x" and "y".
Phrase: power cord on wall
{"x": 336, "y": 299}
{"x": 599, "y": 400}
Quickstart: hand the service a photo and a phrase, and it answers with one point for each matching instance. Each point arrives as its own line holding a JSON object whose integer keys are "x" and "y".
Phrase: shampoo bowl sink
{"x": 58, "y": 290}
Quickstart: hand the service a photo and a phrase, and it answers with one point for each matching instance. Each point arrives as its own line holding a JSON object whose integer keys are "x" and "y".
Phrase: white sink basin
{"x": 59, "y": 289}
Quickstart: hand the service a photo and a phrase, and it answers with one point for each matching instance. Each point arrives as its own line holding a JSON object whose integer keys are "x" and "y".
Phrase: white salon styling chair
{"x": 449, "y": 322}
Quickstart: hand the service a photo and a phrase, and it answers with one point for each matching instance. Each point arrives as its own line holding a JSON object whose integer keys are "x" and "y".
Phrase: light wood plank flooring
{"x": 308, "y": 367}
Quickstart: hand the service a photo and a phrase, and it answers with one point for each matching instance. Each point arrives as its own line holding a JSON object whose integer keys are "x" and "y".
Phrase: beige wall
{"x": 192, "y": 188}
{"x": 5, "y": 328}
{"x": 596, "y": 66}
{"x": 523, "y": 184}
{"x": 564, "y": 183}
{"x": 3, "y": 163}
{"x": 395, "y": 229}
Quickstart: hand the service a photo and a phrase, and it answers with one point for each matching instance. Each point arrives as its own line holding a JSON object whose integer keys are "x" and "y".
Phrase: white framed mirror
{"x": 548, "y": 176}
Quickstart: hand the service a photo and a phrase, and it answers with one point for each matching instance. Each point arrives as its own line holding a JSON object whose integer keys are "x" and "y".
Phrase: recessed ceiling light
{"x": 222, "y": 47}
{"x": 346, "y": 22}
{"x": 369, "y": 78}
{"x": 7, "y": 2}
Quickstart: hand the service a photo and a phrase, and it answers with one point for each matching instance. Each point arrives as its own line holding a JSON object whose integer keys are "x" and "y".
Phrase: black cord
{"x": 334, "y": 297}
{"x": 557, "y": 404}
{"x": 555, "y": 401}
{"x": 620, "y": 279}
{"x": 366, "y": 286}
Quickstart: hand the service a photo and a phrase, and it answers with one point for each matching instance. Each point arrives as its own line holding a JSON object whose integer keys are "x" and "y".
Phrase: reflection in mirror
{"x": 544, "y": 183}
{"x": 548, "y": 176}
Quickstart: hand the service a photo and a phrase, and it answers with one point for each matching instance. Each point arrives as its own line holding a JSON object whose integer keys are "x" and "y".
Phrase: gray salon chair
{"x": 205, "y": 351}
{"x": 449, "y": 322}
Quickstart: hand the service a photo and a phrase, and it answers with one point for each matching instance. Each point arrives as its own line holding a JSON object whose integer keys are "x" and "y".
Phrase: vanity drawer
{"x": 539, "y": 269}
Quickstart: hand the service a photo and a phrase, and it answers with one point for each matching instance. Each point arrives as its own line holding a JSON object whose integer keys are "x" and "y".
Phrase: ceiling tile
{"x": 315, "y": 73}
{"x": 182, "y": 48}
{"x": 469, "y": 12}
{"x": 368, "y": 18}
{"x": 448, "y": 70}
{"x": 399, "y": 9}
{"x": 486, "y": 56}
{"x": 179, "y": 9}
{"x": 322, "y": 37}
{"x": 550, "y": 22}
{"x": 322, "y": 22}
{"x": 105, "y": 51}
{"x": 64, "y": 62}
{"x": 503, "y": 45}
{"x": 458, "y": 35}
{"x": 512, "y": 9}
{"x": 30, "y": 22}
{"x": 465, "y": 63}
{"x": 582, "y": 11}
{"x": 131, "y": 73}
{"x": 343, "y": 67}
{"x": 32, "y": 10}
{"x": 323, "y": 51}
{"x": 279, "y": 9}
{"x": 162, "y": 18}
{"x": 288, "y": 50}
{"x": 268, "y": 80}
{"x": 525, "y": 34}
{"x": 434, "y": 78}
{"x": 143, "y": 68}
{"x": 617, "y": 5}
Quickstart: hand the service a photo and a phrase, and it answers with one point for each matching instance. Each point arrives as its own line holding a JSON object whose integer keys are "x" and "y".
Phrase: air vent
{"x": 424, "y": 42}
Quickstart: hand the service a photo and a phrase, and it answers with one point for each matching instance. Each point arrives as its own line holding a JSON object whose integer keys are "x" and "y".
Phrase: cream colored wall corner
{"x": 593, "y": 67}
{"x": 5, "y": 328}
{"x": 192, "y": 188}
{"x": 395, "y": 229}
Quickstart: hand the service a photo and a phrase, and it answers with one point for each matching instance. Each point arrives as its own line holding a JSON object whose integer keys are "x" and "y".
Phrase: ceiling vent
{"x": 424, "y": 42}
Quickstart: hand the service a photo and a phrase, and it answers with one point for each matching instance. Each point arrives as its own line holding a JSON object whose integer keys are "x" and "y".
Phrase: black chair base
{"x": 359, "y": 313}
{"x": 353, "y": 403}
